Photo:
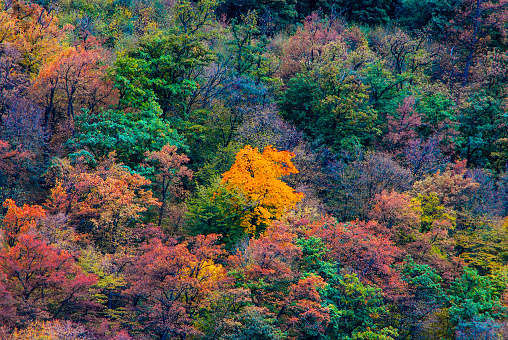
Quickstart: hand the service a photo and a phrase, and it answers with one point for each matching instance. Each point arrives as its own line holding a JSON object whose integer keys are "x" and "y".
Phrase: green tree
{"x": 130, "y": 134}
{"x": 473, "y": 297}
{"x": 215, "y": 209}
{"x": 331, "y": 108}
{"x": 481, "y": 123}
{"x": 162, "y": 65}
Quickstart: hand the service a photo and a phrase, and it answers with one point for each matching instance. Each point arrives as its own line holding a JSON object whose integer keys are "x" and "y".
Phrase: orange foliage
{"x": 103, "y": 202}
{"x": 20, "y": 220}
{"x": 257, "y": 176}
{"x": 170, "y": 173}
{"x": 75, "y": 77}
{"x": 33, "y": 31}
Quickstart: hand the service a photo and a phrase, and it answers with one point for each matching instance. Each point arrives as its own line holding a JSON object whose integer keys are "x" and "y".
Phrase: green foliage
{"x": 247, "y": 51}
{"x": 430, "y": 14}
{"x": 218, "y": 210}
{"x": 423, "y": 281}
{"x": 474, "y": 297}
{"x": 481, "y": 123}
{"x": 159, "y": 69}
{"x": 277, "y": 14}
{"x": 130, "y": 134}
{"x": 109, "y": 282}
{"x": 357, "y": 310}
{"x": 162, "y": 65}
{"x": 484, "y": 247}
{"x": 368, "y": 11}
{"x": 254, "y": 324}
{"x": 331, "y": 108}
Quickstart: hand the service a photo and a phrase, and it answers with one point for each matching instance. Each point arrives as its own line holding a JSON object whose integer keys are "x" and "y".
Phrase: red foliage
{"x": 305, "y": 313}
{"x": 170, "y": 173}
{"x": 44, "y": 281}
{"x": 360, "y": 247}
{"x": 169, "y": 283}
{"x": 267, "y": 266}
{"x": 76, "y": 77}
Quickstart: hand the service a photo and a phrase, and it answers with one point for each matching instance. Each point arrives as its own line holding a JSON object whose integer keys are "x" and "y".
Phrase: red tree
{"x": 44, "y": 281}
{"x": 170, "y": 282}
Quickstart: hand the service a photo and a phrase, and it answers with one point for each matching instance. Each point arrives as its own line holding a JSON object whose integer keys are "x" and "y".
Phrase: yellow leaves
{"x": 257, "y": 176}
{"x": 33, "y": 31}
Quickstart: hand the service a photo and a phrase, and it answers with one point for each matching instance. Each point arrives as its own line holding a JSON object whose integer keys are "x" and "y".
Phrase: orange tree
{"x": 248, "y": 198}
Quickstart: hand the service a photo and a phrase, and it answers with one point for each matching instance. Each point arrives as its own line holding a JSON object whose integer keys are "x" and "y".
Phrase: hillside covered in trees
{"x": 253, "y": 170}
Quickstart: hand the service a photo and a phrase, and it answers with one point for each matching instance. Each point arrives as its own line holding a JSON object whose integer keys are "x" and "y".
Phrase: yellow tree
{"x": 257, "y": 176}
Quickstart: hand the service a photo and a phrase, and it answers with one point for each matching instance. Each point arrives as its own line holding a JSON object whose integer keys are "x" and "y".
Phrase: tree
{"x": 369, "y": 12}
{"x": 162, "y": 65}
{"x": 105, "y": 202}
{"x": 254, "y": 323}
{"x": 306, "y": 47}
{"x": 246, "y": 51}
{"x": 169, "y": 282}
{"x": 357, "y": 247}
{"x": 274, "y": 14}
{"x": 475, "y": 23}
{"x": 129, "y": 134}
{"x": 473, "y": 298}
{"x": 11, "y": 165}
{"x": 19, "y": 220}
{"x": 44, "y": 281}
{"x": 481, "y": 123}
{"x": 356, "y": 310}
{"x": 34, "y": 31}
{"x": 75, "y": 77}
{"x": 257, "y": 176}
{"x": 266, "y": 267}
{"x": 171, "y": 171}
{"x": 307, "y": 317}
{"x": 334, "y": 109}
{"x": 51, "y": 330}
{"x": 423, "y": 299}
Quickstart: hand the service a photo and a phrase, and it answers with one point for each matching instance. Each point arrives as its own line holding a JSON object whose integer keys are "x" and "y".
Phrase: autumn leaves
{"x": 257, "y": 176}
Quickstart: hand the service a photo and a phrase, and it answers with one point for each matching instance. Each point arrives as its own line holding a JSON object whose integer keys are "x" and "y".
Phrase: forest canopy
{"x": 237, "y": 170}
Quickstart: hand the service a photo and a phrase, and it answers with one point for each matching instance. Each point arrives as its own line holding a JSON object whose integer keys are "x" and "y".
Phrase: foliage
{"x": 128, "y": 134}
{"x": 105, "y": 202}
{"x": 257, "y": 176}
{"x": 144, "y": 196}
